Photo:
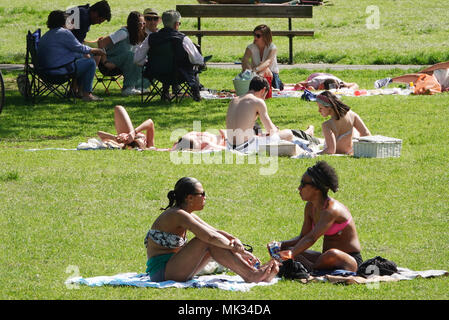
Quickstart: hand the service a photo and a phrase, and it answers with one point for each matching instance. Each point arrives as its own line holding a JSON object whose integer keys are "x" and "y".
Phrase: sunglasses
{"x": 152, "y": 18}
{"x": 203, "y": 194}
{"x": 257, "y": 35}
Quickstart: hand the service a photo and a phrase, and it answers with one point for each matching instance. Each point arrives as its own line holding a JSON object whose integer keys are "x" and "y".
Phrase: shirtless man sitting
{"x": 242, "y": 115}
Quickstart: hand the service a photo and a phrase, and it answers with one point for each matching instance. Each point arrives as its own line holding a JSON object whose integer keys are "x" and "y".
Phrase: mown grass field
{"x": 348, "y": 32}
{"x": 62, "y": 211}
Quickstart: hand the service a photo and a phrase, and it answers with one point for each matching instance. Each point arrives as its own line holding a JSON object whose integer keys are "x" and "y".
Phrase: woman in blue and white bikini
{"x": 172, "y": 257}
{"x": 343, "y": 125}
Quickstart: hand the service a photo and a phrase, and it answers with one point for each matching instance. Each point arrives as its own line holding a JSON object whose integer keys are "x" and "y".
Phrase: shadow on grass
{"x": 55, "y": 118}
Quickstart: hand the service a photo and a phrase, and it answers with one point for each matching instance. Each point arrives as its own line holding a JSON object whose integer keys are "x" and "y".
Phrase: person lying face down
{"x": 172, "y": 257}
{"x": 199, "y": 141}
{"x": 324, "y": 81}
{"x": 343, "y": 125}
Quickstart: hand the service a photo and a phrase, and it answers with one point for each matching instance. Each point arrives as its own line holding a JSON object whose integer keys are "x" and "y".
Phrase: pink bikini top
{"x": 336, "y": 227}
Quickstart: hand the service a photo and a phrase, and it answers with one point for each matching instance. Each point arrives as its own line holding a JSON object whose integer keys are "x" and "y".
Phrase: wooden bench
{"x": 246, "y": 11}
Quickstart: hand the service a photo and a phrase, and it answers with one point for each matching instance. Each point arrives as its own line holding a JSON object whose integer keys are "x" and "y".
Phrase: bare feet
{"x": 265, "y": 273}
{"x": 272, "y": 270}
{"x": 310, "y": 130}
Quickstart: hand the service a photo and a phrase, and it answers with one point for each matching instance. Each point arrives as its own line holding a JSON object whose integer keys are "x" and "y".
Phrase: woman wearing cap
{"x": 120, "y": 47}
{"x": 343, "y": 125}
{"x": 324, "y": 217}
{"x": 261, "y": 56}
{"x": 172, "y": 257}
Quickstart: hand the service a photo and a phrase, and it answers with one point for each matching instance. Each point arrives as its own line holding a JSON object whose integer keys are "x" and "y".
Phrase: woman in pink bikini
{"x": 343, "y": 125}
{"x": 327, "y": 217}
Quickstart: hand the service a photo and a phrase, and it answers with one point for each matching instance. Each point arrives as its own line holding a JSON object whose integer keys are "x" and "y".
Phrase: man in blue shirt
{"x": 59, "y": 52}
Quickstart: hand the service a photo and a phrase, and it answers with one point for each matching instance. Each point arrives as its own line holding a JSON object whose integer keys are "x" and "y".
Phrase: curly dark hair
{"x": 323, "y": 177}
{"x": 183, "y": 188}
{"x": 56, "y": 19}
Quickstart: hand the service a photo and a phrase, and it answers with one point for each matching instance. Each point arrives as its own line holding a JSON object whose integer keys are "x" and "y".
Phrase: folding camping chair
{"x": 160, "y": 70}
{"x": 107, "y": 77}
{"x": 39, "y": 82}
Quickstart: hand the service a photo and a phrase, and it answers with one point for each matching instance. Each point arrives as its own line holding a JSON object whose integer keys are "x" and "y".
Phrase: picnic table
{"x": 247, "y": 11}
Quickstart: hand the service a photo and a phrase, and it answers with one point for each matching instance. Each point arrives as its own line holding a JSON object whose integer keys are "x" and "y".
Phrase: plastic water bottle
{"x": 411, "y": 87}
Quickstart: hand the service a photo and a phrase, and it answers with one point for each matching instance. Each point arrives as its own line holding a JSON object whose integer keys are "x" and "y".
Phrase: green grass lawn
{"x": 90, "y": 210}
{"x": 348, "y": 32}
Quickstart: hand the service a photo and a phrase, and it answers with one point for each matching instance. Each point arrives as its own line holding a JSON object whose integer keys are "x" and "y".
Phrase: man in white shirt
{"x": 187, "y": 56}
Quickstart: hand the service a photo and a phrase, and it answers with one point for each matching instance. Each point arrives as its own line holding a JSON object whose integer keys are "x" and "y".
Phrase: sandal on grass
{"x": 92, "y": 98}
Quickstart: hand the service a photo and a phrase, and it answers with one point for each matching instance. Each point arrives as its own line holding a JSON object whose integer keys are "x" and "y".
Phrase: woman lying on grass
{"x": 327, "y": 217}
{"x": 126, "y": 134}
{"x": 343, "y": 125}
{"x": 324, "y": 81}
{"x": 198, "y": 141}
{"x": 172, "y": 257}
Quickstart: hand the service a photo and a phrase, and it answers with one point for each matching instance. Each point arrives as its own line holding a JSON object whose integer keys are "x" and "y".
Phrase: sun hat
{"x": 150, "y": 12}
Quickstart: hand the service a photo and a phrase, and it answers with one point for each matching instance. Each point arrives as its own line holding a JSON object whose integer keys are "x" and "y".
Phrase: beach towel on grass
{"x": 402, "y": 274}
{"x": 221, "y": 281}
{"x": 236, "y": 283}
{"x": 290, "y": 92}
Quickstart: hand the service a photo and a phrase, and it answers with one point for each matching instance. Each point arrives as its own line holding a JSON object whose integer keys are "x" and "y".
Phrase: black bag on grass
{"x": 291, "y": 269}
{"x": 377, "y": 266}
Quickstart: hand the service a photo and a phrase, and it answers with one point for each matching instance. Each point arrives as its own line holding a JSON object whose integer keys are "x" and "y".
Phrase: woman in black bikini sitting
{"x": 324, "y": 216}
{"x": 171, "y": 257}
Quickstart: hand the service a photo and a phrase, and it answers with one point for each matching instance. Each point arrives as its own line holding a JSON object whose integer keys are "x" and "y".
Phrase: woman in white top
{"x": 344, "y": 123}
{"x": 261, "y": 56}
{"x": 120, "y": 47}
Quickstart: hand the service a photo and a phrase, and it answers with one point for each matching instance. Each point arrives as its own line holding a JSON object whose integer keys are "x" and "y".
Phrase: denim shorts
{"x": 276, "y": 82}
